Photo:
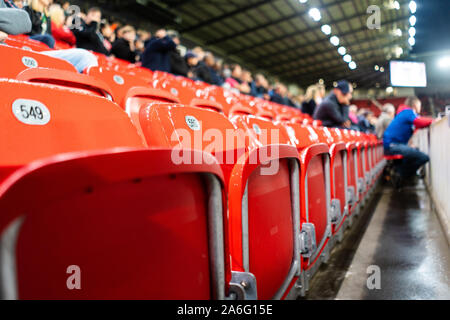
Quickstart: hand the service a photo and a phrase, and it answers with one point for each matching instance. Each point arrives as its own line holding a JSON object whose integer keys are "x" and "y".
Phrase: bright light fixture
{"x": 376, "y": 67}
{"x": 444, "y": 62}
{"x": 396, "y": 5}
{"x": 398, "y": 32}
{"x": 334, "y": 40}
{"x": 389, "y": 89}
{"x": 412, "y": 31}
{"x": 347, "y": 58}
{"x": 303, "y": 1}
{"x": 412, "y": 41}
{"x": 326, "y": 29}
{"x": 315, "y": 14}
{"x": 413, "y": 7}
{"x": 342, "y": 51}
{"x": 381, "y": 69}
{"x": 352, "y": 65}
{"x": 412, "y": 21}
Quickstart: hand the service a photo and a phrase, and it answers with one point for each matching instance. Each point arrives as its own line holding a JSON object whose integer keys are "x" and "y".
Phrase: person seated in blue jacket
{"x": 397, "y": 135}
{"x": 158, "y": 51}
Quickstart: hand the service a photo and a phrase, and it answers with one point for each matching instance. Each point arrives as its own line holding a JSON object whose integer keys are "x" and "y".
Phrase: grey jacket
{"x": 13, "y": 21}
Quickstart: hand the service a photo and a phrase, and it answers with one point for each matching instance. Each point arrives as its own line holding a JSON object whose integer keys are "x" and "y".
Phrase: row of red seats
{"x": 130, "y": 175}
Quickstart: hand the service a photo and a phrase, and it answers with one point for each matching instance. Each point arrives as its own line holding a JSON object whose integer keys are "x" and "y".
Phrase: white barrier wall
{"x": 435, "y": 141}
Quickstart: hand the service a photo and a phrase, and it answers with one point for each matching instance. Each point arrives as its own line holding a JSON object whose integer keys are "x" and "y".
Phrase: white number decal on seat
{"x": 31, "y": 112}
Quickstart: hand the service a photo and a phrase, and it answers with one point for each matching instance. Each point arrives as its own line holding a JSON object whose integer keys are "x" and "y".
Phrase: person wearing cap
{"x": 197, "y": 69}
{"x": 157, "y": 52}
{"x": 334, "y": 109}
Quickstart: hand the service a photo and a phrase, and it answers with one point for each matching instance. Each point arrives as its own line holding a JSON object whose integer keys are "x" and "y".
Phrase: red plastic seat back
{"x": 25, "y": 43}
{"x": 77, "y": 222}
{"x": 39, "y": 120}
{"x": 19, "y": 60}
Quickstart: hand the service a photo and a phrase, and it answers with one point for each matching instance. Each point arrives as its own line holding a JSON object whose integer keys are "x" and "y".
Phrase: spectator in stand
{"x": 124, "y": 47}
{"x": 364, "y": 123}
{"x": 59, "y": 29}
{"x": 398, "y": 134}
{"x": 312, "y": 99}
{"x": 279, "y": 94}
{"x": 19, "y": 3}
{"x": 12, "y": 21}
{"x": 333, "y": 111}
{"x": 259, "y": 87}
{"x": 88, "y": 34}
{"x": 199, "y": 52}
{"x": 157, "y": 52}
{"x": 246, "y": 80}
{"x": 109, "y": 36}
{"x": 41, "y": 26}
{"x": 352, "y": 114}
{"x": 178, "y": 65}
{"x": 234, "y": 80}
{"x": 384, "y": 119}
{"x": 197, "y": 69}
{"x": 210, "y": 63}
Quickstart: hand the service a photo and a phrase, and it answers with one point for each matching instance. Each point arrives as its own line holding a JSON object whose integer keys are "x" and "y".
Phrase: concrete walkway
{"x": 405, "y": 240}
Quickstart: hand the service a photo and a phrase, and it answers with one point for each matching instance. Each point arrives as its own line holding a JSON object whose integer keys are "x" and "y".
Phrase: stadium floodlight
{"x": 389, "y": 90}
{"x": 376, "y": 67}
{"x": 381, "y": 69}
{"x": 413, "y": 7}
{"x": 347, "y": 58}
{"x": 352, "y": 65}
{"x": 326, "y": 29}
{"x": 412, "y": 21}
{"x": 334, "y": 41}
{"x": 396, "y": 5}
{"x": 303, "y": 1}
{"x": 315, "y": 14}
{"x": 412, "y": 41}
{"x": 444, "y": 62}
{"x": 412, "y": 31}
{"x": 342, "y": 51}
{"x": 398, "y": 32}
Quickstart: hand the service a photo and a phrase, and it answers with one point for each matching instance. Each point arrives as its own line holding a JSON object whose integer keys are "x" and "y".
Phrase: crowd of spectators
{"x": 56, "y": 21}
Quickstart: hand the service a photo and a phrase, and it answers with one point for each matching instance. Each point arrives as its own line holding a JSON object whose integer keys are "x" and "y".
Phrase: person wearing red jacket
{"x": 398, "y": 134}
{"x": 59, "y": 30}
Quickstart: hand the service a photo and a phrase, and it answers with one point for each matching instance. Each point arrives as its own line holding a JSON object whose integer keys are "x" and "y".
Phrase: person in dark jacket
{"x": 124, "y": 47}
{"x": 88, "y": 34}
{"x": 41, "y": 26}
{"x": 210, "y": 63}
{"x": 333, "y": 111}
{"x": 197, "y": 69}
{"x": 279, "y": 95}
{"x": 157, "y": 52}
{"x": 178, "y": 65}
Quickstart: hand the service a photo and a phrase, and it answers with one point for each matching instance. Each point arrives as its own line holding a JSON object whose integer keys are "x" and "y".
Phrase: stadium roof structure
{"x": 283, "y": 38}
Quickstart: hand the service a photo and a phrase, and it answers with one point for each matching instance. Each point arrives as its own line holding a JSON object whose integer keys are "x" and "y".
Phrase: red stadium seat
{"x": 41, "y": 120}
{"x": 256, "y": 234}
{"x": 25, "y": 43}
{"x": 66, "y": 79}
{"x": 121, "y": 231}
{"x": 315, "y": 194}
{"x": 20, "y": 60}
{"x": 338, "y": 176}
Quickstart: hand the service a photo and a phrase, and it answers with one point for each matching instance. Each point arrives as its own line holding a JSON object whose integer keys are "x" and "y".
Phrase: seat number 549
{"x": 31, "y": 112}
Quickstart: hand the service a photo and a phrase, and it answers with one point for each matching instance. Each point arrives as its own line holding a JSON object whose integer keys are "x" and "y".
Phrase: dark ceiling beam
{"x": 286, "y": 64}
{"x": 224, "y": 16}
{"x": 271, "y": 23}
{"x": 340, "y": 72}
{"x": 266, "y": 61}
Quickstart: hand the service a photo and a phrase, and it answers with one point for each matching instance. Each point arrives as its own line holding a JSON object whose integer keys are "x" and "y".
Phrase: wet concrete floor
{"x": 399, "y": 235}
